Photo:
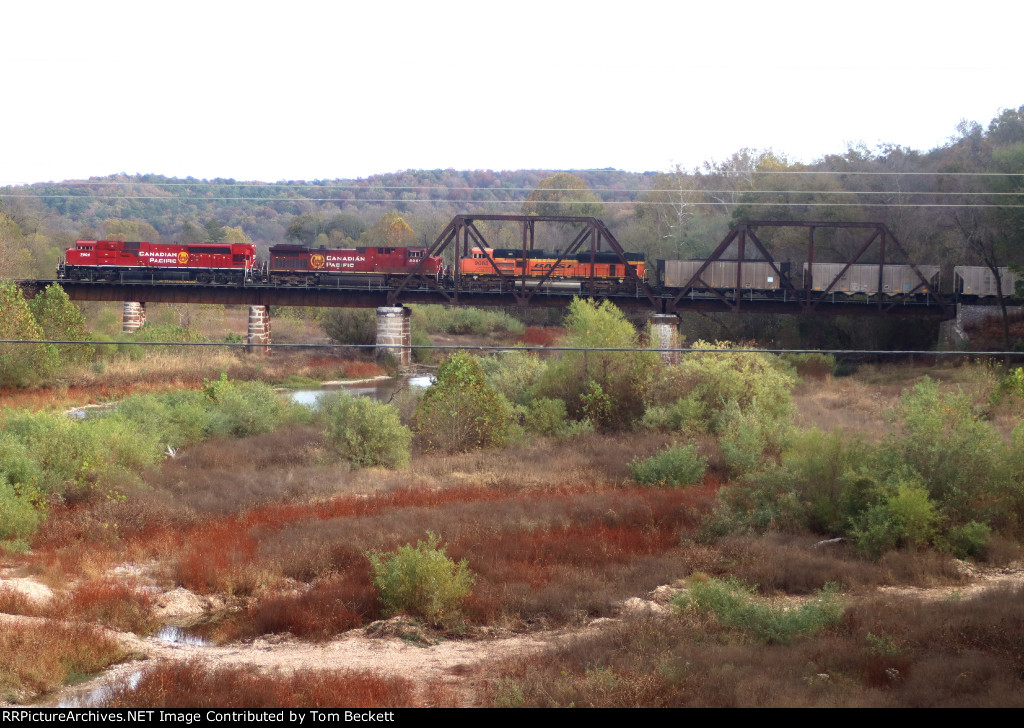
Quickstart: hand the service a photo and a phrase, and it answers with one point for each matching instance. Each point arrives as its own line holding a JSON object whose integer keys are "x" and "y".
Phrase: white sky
{"x": 321, "y": 90}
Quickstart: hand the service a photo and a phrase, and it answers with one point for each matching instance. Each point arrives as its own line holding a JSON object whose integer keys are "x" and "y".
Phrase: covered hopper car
{"x": 977, "y": 281}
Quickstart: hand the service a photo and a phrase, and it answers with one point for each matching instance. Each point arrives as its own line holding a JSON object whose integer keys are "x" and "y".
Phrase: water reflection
{"x": 179, "y": 636}
{"x": 100, "y": 694}
{"x": 379, "y": 391}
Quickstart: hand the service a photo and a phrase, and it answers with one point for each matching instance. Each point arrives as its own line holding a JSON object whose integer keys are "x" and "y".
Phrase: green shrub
{"x": 744, "y": 398}
{"x": 460, "y": 411}
{"x": 673, "y": 466}
{"x": 607, "y": 387}
{"x": 22, "y": 364}
{"x": 958, "y": 456}
{"x": 513, "y": 374}
{"x": 545, "y": 416}
{"x": 684, "y": 415}
{"x": 735, "y": 605}
{"x": 969, "y": 540}
{"x": 19, "y": 518}
{"x": 421, "y": 580}
{"x": 167, "y": 332}
{"x": 744, "y": 437}
{"x": 60, "y": 319}
{"x": 438, "y": 319}
{"x": 906, "y": 517}
{"x": 241, "y": 409}
{"x": 364, "y": 432}
{"x": 1012, "y": 385}
{"x": 419, "y": 338}
{"x": 350, "y": 325}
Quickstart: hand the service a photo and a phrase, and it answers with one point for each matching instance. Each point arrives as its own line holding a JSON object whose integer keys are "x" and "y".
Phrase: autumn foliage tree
{"x": 21, "y": 364}
{"x": 61, "y": 320}
{"x": 391, "y": 231}
{"x": 461, "y": 411}
{"x": 563, "y": 194}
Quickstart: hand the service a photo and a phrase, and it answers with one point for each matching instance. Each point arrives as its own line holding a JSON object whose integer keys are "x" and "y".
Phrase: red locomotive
{"x": 114, "y": 260}
{"x": 299, "y": 265}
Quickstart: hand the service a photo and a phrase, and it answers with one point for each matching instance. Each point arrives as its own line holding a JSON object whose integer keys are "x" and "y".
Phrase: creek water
{"x": 380, "y": 390}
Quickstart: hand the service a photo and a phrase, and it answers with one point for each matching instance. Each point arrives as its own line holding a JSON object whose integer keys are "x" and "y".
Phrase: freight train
{"x": 498, "y": 269}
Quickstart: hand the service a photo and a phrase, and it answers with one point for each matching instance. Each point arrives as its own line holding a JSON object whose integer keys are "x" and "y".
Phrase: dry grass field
{"x": 259, "y": 548}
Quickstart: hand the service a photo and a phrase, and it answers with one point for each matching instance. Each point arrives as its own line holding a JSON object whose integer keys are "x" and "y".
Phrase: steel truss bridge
{"x": 874, "y": 242}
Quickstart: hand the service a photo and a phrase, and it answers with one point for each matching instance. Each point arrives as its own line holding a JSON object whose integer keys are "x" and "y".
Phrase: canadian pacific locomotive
{"x": 115, "y": 260}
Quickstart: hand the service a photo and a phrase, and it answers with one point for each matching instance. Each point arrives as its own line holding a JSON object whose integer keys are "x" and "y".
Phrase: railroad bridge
{"x": 721, "y": 282}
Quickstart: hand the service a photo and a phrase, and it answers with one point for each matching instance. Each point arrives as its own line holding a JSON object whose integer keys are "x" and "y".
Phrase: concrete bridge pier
{"x": 133, "y": 316}
{"x": 259, "y": 330}
{"x": 665, "y": 336}
{"x": 394, "y": 330}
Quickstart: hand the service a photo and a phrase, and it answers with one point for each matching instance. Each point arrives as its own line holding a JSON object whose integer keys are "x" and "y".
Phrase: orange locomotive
{"x": 604, "y": 267}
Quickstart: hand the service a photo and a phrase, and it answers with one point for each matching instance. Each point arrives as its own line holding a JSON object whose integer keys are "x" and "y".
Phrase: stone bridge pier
{"x": 133, "y": 316}
{"x": 665, "y": 335}
{"x": 259, "y": 330}
{"x": 394, "y": 334}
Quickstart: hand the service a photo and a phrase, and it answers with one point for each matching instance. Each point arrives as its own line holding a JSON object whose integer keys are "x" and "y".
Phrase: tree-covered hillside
{"x": 962, "y": 203}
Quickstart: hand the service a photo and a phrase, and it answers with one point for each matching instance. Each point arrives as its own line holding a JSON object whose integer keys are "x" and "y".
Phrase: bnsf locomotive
{"x": 480, "y": 269}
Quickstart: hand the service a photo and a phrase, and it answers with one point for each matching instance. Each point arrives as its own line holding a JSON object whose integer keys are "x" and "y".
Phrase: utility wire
{"x": 714, "y": 203}
{"x": 446, "y": 347}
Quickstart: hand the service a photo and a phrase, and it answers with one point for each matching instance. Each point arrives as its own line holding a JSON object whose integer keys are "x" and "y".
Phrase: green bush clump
{"x": 744, "y": 398}
{"x": 1010, "y": 386}
{"x": 545, "y": 416}
{"x": 958, "y": 456}
{"x": 364, "y": 432}
{"x": 905, "y": 516}
{"x": 421, "y": 580}
{"x": 461, "y": 411}
{"x": 513, "y": 374}
{"x": 22, "y": 364}
{"x": 673, "y": 466}
{"x": 170, "y": 333}
{"x": 969, "y": 540}
{"x": 438, "y": 319}
{"x": 62, "y": 320}
{"x": 821, "y": 481}
{"x": 350, "y": 325}
{"x": 735, "y": 605}
{"x": 223, "y": 408}
{"x": 607, "y": 387}
{"x": 241, "y": 409}
{"x": 19, "y": 517}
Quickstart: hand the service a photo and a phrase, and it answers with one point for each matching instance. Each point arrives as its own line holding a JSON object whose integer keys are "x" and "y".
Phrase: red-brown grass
{"x": 111, "y": 602}
{"x": 537, "y": 336}
{"x": 327, "y": 608}
{"x": 38, "y": 656}
{"x": 13, "y": 601}
{"x": 792, "y": 565}
{"x": 886, "y": 653}
{"x": 179, "y": 685}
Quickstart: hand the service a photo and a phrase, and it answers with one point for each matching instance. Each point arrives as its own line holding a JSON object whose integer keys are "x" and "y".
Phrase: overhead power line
{"x": 456, "y": 347}
{"x": 434, "y": 201}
